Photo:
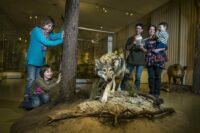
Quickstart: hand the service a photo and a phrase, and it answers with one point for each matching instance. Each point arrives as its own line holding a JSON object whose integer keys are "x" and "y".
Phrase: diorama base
{"x": 119, "y": 109}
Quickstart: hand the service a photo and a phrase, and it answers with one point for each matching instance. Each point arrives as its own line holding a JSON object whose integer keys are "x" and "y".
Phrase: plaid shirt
{"x": 162, "y": 37}
{"x": 152, "y": 58}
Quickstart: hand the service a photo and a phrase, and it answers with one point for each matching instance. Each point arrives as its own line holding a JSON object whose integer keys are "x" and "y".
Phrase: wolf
{"x": 108, "y": 67}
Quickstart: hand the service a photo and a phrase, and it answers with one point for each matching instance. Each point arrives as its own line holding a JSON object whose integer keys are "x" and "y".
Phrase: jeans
{"x": 137, "y": 75}
{"x": 154, "y": 78}
{"x": 35, "y": 100}
{"x": 32, "y": 74}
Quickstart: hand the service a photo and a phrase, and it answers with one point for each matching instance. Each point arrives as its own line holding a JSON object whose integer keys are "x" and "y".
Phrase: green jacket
{"x": 136, "y": 55}
{"x": 45, "y": 85}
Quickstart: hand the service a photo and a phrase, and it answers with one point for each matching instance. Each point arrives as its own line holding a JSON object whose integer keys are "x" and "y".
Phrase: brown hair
{"x": 139, "y": 24}
{"x": 154, "y": 38}
{"x": 164, "y": 24}
{"x": 47, "y": 20}
{"x": 43, "y": 69}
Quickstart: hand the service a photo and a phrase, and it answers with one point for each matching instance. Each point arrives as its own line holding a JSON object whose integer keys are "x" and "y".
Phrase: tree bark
{"x": 196, "y": 72}
{"x": 69, "y": 59}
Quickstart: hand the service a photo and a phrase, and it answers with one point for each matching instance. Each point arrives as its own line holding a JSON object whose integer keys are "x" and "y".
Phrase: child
{"x": 162, "y": 39}
{"x": 41, "y": 88}
{"x": 40, "y": 38}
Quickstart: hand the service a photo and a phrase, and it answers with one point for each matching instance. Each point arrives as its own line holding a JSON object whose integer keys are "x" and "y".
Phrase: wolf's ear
{"x": 97, "y": 63}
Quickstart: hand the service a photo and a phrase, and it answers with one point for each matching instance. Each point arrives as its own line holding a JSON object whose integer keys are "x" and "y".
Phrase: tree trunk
{"x": 196, "y": 73}
{"x": 69, "y": 59}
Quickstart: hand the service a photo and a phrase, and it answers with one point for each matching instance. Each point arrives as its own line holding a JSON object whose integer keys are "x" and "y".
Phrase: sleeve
{"x": 55, "y": 36}
{"x": 44, "y": 86}
{"x": 163, "y": 37}
{"x": 128, "y": 43}
{"x": 42, "y": 39}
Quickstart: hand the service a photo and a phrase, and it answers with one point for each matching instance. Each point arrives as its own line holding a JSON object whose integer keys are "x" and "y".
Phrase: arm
{"x": 55, "y": 36}
{"x": 46, "y": 87}
{"x": 163, "y": 37}
{"x": 42, "y": 39}
{"x": 129, "y": 44}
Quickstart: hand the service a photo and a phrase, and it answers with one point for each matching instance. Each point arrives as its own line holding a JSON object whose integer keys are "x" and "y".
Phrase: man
{"x": 136, "y": 57}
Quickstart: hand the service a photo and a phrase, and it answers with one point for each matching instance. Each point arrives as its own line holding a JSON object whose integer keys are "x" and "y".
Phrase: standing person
{"x": 154, "y": 67}
{"x": 41, "y": 87}
{"x": 40, "y": 38}
{"x": 136, "y": 57}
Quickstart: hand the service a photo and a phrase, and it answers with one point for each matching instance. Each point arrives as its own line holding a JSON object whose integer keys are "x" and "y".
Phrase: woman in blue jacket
{"x": 40, "y": 38}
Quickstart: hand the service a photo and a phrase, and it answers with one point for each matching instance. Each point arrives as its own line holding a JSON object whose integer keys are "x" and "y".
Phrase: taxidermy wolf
{"x": 108, "y": 67}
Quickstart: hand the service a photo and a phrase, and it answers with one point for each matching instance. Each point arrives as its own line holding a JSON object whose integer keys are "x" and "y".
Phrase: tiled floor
{"x": 186, "y": 104}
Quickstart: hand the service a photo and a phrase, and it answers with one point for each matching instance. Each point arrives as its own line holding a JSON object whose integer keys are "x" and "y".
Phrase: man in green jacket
{"x": 136, "y": 57}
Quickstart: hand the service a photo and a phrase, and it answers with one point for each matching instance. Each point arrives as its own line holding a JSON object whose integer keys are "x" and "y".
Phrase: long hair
{"x": 154, "y": 37}
{"x": 43, "y": 69}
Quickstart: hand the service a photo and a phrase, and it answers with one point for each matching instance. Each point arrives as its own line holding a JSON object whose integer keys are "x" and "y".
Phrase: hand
{"x": 156, "y": 50}
{"x": 63, "y": 34}
{"x": 129, "y": 46}
{"x": 152, "y": 42}
{"x": 142, "y": 48}
{"x": 59, "y": 78}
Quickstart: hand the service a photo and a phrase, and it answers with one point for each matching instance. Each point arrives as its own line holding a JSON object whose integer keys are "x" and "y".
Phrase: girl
{"x": 41, "y": 88}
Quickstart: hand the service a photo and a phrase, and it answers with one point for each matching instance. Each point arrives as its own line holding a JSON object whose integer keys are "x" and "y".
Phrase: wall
{"x": 12, "y": 57}
{"x": 181, "y": 18}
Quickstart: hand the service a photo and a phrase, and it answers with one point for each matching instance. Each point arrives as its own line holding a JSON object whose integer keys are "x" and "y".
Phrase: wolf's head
{"x": 104, "y": 70}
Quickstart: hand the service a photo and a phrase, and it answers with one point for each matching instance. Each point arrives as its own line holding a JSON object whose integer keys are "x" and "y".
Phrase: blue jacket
{"x": 36, "y": 53}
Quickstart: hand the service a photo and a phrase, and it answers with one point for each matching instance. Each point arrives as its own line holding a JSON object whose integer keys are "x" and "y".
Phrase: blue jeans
{"x": 35, "y": 100}
{"x": 154, "y": 74}
{"x": 137, "y": 75}
{"x": 32, "y": 74}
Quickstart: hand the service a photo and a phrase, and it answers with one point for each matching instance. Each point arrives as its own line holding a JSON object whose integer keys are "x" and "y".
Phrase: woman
{"x": 40, "y": 38}
{"x": 155, "y": 62}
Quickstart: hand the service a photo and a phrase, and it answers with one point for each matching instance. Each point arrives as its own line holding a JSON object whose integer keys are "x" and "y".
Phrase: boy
{"x": 162, "y": 39}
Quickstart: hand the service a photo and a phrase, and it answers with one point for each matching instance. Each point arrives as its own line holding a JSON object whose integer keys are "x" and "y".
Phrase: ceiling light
{"x": 131, "y": 14}
{"x": 19, "y": 38}
{"x": 36, "y": 17}
{"x": 30, "y": 17}
{"x": 127, "y": 13}
{"x": 101, "y": 27}
{"x": 92, "y": 41}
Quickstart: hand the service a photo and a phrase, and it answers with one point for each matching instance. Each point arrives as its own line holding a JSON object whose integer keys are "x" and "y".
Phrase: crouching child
{"x": 41, "y": 88}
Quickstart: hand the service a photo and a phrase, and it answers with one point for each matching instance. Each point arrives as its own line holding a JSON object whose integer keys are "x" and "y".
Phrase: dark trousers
{"x": 154, "y": 74}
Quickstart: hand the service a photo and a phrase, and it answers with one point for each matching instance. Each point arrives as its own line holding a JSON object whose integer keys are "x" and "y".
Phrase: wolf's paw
{"x": 104, "y": 99}
{"x": 112, "y": 93}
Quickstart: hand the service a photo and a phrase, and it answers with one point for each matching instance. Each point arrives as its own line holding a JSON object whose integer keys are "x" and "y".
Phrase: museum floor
{"x": 185, "y": 120}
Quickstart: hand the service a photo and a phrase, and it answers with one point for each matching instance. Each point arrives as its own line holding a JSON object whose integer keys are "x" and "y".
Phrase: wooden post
{"x": 69, "y": 59}
{"x": 196, "y": 72}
